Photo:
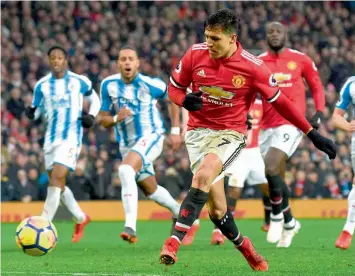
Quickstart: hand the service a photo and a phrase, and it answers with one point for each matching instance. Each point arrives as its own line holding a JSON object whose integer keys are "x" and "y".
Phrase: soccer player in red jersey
{"x": 280, "y": 137}
{"x": 227, "y": 79}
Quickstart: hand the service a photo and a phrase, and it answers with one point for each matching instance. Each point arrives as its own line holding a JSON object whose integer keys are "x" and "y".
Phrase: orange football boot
{"x": 344, "y": 240}
{"x": 169, "y": 251}
{"x": 79, "y": 229}
{"x": 254, "y": 259}
{"x": 129, "y": 235}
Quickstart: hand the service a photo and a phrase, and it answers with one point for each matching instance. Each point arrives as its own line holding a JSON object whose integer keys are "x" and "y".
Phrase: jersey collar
{"x": 274, "y": 56}
{"x": 134, "y": 81}
{"x": 65, "y": 75}
{"x": 236, "y": 55}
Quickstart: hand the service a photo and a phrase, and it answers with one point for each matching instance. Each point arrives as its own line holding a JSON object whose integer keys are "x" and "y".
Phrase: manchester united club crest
{"x": 238, "y": 81}
{"x": 292, "y": 65}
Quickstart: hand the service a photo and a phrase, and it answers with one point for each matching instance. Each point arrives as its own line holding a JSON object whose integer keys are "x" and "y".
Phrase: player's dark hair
{"x": 225, "y": 19}
{"x": 127, "y": 47}
{"x": 57, "y": 47}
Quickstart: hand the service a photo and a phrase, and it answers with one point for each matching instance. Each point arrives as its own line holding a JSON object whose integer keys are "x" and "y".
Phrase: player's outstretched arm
{"x": 340, "y": 122}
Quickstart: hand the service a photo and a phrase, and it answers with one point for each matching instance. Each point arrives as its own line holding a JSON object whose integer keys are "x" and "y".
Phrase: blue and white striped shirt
{"x": 140, "y": 96}
{"x": 62, "y": 103}
{"x": 347, "y": 94}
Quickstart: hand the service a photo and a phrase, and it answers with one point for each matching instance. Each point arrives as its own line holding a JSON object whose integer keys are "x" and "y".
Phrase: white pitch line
{"x": 78, "y": 273}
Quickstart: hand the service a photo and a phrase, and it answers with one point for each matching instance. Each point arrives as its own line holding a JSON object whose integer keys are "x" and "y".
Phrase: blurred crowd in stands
{"x": 93, "y": 33}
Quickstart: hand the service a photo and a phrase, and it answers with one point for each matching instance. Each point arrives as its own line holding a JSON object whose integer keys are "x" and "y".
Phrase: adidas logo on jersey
{"x": 201, "y": 73}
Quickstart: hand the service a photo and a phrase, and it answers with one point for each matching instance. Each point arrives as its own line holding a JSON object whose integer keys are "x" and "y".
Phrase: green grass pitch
{"x": 101, "y": 252}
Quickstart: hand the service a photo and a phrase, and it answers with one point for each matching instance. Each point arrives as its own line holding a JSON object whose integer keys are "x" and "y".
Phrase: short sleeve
{"x": 86, "y": 86}
{"x": 158, "y": 89}
{"x": 106, "y": 100}
{"x": 345, "y": 95}
{"x": 37, "y": 95}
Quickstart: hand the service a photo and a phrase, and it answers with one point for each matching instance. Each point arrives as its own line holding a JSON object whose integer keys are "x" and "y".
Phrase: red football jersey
{"x": 229, "y": 86}
{"x": 256, "y": 111}
{"x": 289, "y": 69}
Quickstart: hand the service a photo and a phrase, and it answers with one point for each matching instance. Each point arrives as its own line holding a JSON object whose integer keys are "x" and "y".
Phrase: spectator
{"x": 80, "y": 184}
{"x": 185, "y": 173}
{"x": 173, "y": 182}
{"x": 300, "y": 182}
{"x": 333, "y": 186}
{"x": 16, "y": 105}
{"x": 114, "y": 190}
{"x": 101, "y": 180}
{"x": 25, "y": 189}
{"x": 7, "y": 188}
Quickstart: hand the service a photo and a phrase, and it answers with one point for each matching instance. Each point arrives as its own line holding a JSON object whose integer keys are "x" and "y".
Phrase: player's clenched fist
{"x": 193, "y": 101}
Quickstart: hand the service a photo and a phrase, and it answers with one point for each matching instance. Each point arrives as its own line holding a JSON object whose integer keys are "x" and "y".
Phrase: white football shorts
{"x": 285, "y": 138}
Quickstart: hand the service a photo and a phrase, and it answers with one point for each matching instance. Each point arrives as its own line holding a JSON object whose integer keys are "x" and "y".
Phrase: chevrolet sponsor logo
{"x": 281, "y": 77}
{"x": 216, "y": 92}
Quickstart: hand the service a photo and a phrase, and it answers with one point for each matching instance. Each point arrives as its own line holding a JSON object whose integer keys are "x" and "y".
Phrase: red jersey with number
{"x": 229, "y": 86}
{"x": 256, "y": 112}
{"x": 290, "y": 68}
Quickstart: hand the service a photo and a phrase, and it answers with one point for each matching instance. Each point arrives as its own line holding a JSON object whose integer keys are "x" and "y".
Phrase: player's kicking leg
{"x": 233, "y": 195}
{"x": 238, "y": 172}
{"x": 160, "y": 195}
{"x": 222, "y": 217}
{"x": 344, "y": 240}
{"x": 192, "y": 205}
